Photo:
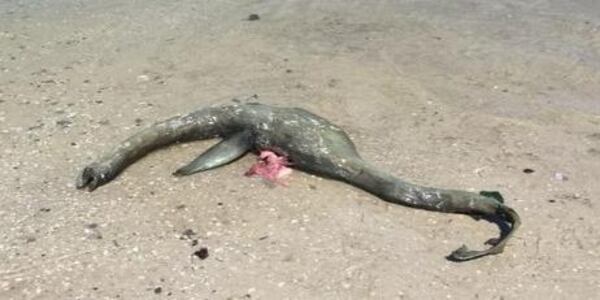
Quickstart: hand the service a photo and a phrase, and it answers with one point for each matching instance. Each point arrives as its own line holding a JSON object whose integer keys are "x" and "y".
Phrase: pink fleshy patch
{"x": 271, "y": 167}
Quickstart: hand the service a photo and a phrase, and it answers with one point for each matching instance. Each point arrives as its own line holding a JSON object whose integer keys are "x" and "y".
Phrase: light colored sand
{"x": 462, "y": 94}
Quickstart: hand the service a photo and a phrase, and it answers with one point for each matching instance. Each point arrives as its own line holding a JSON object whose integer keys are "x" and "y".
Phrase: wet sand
{"x": 464, "y": 94}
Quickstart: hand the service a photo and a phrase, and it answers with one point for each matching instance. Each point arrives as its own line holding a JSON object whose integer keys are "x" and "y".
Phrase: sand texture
{"x": 454, "y": 94}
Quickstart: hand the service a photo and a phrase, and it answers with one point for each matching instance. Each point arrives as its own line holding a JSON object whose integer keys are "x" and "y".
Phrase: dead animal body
{"x": 311, "y": 144}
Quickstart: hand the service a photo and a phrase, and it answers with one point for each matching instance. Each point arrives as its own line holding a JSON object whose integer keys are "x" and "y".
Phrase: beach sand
{"x": 454, "y": 94}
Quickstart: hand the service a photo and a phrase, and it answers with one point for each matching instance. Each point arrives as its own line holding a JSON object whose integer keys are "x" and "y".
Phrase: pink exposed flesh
{"x": 270, "y": 166}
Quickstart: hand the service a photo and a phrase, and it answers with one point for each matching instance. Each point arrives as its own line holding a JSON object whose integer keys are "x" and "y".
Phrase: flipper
{"x": 226, "y": 151}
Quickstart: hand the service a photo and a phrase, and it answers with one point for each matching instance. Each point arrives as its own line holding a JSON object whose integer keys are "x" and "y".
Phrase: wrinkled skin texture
{"x": 311, "y": 144}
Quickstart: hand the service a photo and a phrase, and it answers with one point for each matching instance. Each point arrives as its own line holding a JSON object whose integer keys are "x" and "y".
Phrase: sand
{"x": 456, "y": 94}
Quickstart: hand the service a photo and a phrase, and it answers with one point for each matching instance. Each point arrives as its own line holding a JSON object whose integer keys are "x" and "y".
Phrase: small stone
{"x": 143, "y": 78}
{"x": 63, "y": 123}
{"x": 158, "y": 290}
{"x": 202, "y": 253}
{"x": 560, "y": 176}
{"x": 528, "y": 171}
{"x": 188, "y": 233}
{"x": 253, "y": 17}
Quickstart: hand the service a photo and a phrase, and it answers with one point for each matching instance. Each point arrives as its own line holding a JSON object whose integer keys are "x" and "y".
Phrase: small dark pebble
{"x": 158, "y": 290}
{"x": 91, "y": 226}
{"x": 594, "y": 151}
{"x": 63, "y": 123}
{"x": 505, "y": 90}
{"x": 99, "y": 101}
{"x": 73, "y": 144}
{"x": 188, "y": 233}
{"x": 38, "y": 126}
{"x": 194, "y": 243}
{"x": 180, "y": 206}
{"x": 253, "y": 17}
{"x": 528, "y": 171}
{"x": 262, "y": 238}
{"x": 86, "y": 81}
{"x": 30, "y": 239}
{"x": 551, "y": 200}
{"x": 44, "y": 209}
{"x": 202, "y": 253}
{"x": 95, "y": 288}
{"x": 288, "y": 71}
{"x": 220, "y": 203}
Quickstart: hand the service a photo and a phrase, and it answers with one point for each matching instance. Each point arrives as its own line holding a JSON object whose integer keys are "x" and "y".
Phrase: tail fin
{"x": 394, "y": 190}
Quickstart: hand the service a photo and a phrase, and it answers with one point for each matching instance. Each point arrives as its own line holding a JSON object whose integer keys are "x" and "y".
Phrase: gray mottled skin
{"x": 310, "y": 142}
